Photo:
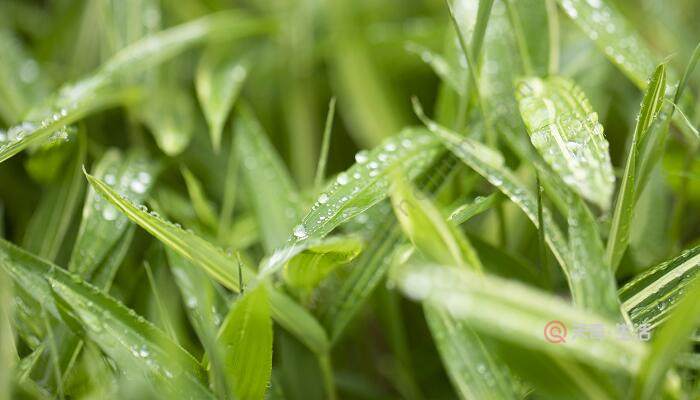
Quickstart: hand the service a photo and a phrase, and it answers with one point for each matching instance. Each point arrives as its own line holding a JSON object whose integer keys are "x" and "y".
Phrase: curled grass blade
{"x": 565, "y": 131}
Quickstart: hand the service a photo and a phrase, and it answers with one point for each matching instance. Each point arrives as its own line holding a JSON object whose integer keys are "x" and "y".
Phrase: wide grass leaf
{"x": 219, "y": 79}
{"x": 367, "y": 182}
{"x": 632, "y": 180}
{"x": 518, "y": 314}
{"x": 272, "y": 192}
{"x": 246, "y": 334}
{"x": 614, "y": 36}
{"x": 565, "y": 131}
{"x": 649, "y": 297}
{"x": 135, "y": 344}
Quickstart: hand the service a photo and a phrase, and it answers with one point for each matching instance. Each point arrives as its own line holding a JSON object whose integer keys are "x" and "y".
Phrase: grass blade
{"x": 465, "y": 212}
{"x": 614, "y": 36}
{"x": 630, "y": 188}
{"x": 219, "y": 79}
{"x": 670, "y": 341}
{"x": 246, "y": 334}
{"x": 102, "y": 226}
{"x": 650, "y": 296}
{"x": 49, "y": 225}
{"x": 366, "y": 182}
{"x": 133, "y": 343}
{"x": 565, "y": 131}
{"x": 470, "y": 364}
{"x": 515, "y": 313}
{"x": 18, "y": 95}
{"x": 307, "y": 269}
{"x": 273, "y": 194}
{"x": 489, "y": 164}
{"x": 72, "y": 102}
{"x": 168, "y": 112}
{"x": 212, "y": 260}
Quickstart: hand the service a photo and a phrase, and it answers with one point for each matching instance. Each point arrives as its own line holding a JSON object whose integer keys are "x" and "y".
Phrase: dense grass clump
{"x": 342, "y": 199}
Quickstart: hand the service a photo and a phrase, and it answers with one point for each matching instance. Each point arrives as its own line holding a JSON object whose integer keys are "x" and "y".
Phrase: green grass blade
{"x": 169, "y": 113}
{"x": 102, "y": 225}
{"x": 467, "y": 211}
{"x": 187, "y": 244}
{"x": 272, "y": 192}
{"x": 219, "y": 266}
{"x": 614, "y": 36}
{"x": 565, "y": 131}
{"x": 366, "y": 103}
{"x": 307, "y": 269}
{"x": 204, "y": 306}
{"x": 325, "y": 145}
{"x": 587, "y": 257}
{"x": 518, "y": 314}
{"x": 470, "y": 365}
{"x": 428, "y": 229}
{"x": 584, "y": 285}
{"x": 366, "y": 182}
{"x": 22, "y": 83}
{"x": 650, "y": 296}
{"x": 132, "y": 342}
{"x": 671, "y": 339}
{"x": 630, "y": 188}
{"x": 246, "y": 334}
{"x": 8, "y": 351}
{"x": 72, "y": 102}
{"x": 202, "y": 207}
{"x": 219, "y": 79}
{"x": 49, "y": 225}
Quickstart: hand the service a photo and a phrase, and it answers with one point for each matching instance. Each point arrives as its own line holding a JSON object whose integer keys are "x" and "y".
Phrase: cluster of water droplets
{"x": 368, "y": 180}
{"x": 132, "y": 184}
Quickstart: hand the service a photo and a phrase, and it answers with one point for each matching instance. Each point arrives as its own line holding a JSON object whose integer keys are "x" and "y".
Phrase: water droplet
{"x": 323, "y": 199}
{"x": 342, "y": 179}
{"x": 137, "y": 186}
{"x": 361, "y": 157}
{"x": 110, "y": 213}
{"x": 300, "y": 232}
